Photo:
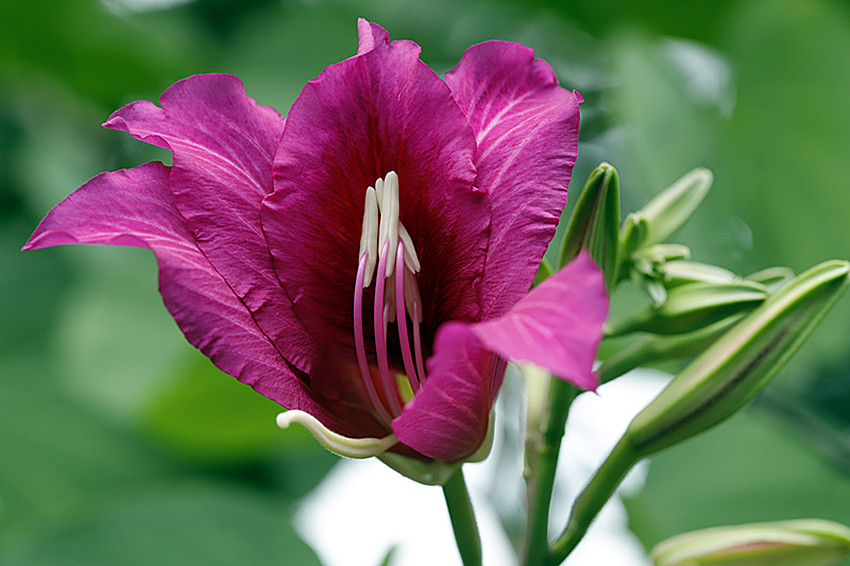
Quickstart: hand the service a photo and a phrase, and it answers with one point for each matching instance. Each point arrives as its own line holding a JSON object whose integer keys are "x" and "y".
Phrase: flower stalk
{"x": 463, "y": 520}
{"x": 549, "y": 404}
{"x": 593, "y": 226}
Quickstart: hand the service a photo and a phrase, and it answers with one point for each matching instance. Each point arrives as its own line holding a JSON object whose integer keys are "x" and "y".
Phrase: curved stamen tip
{"x": 369, "y": 235}
{"x": 411, "y": 260}
{"x": 390, "y": 210}
{"x": 337, "y": 443}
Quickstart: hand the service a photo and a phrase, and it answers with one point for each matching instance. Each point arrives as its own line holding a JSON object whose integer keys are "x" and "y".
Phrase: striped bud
{"x": 809, "y": 542}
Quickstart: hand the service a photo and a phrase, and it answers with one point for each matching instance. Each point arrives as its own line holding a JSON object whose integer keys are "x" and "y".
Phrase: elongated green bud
{"x": 665, "y": 213}
{"x": 647, "y": 267}
{"x": 650, "y": 260}
{"x": 808, "y": 542}
{"x": 773, "y": 277}
{"x": 740, "y": 364}
{"x": 690, "y": 307}
{"x": 653, "y": 348}
{"x": 679, "y": 272}
{"x": 595, "y": 222}
{"x": 721, "y": 381}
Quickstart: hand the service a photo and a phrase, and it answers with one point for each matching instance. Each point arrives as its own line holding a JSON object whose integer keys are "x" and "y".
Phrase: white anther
{"x": 369, "y": 235}
{"x": 388, "y": 229}
{"x": 379, "y": 189}
{"x": 411, "y": 260}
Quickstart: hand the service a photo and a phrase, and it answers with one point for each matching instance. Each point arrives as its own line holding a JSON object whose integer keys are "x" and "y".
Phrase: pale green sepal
{"x": 337, "y": 443}
{"x": 773, "y": 277}
{"x": 740, "y": 364}
{"x": 595, "y": 223}
{"x": 430, "y": 472}
{"x": 435, "y": 472}
{"x": 690, "y": 307}
{"x": 680, "y": 272}
{"x": 807, "y": 542}
{"x": 666, "y": 213}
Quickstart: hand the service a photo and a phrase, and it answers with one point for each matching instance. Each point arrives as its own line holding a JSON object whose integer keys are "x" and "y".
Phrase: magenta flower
{"x": 367, "y": 259}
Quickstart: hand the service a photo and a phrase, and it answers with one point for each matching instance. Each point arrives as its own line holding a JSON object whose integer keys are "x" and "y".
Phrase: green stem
{"x": 463, "y": 520}
{"x": 543, "y": 445}
{"x": 591, "y": 500}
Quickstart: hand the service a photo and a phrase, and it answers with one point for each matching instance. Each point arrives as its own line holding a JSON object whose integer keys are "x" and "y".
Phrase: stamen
{"x": 388, "y": 229}
{"x": 369, "y": 235}
{"x": 411, "y": 260}
{"x": 360, "y": 345}
{"x": 389, "y": 304}
{"x": 411, "y": 295}
{"x": 396, "y": 302}
{"x": 380, "y": 322}
{"x": 402, "y": 322}
{"x": 417, "y": 340}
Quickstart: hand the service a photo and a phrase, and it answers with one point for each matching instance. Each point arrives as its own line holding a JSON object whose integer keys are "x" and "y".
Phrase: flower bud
{"x": 679, "y": 272}
{"x": 595, "y": 222}
{"x": 809, "y": 542}
{"x": 739, "y": 365}
{"x": 654, "y": 348}
{"x": 665, "y": 213}
{"x": 647, "y": 268}
{"x": 721, "y": 381}
{"x": 690, "y": 307}
{"x": 773, "y": 277}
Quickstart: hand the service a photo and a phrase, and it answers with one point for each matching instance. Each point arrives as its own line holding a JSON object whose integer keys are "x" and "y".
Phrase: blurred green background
{"x": 114, "y": 432}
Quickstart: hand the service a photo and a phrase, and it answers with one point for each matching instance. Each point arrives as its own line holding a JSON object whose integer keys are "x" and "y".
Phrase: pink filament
{"x": 380, "y": 323}
{"x": 417, "y": 340}
{"x": 360, "y": 346}
{"x": 401, "y": 320}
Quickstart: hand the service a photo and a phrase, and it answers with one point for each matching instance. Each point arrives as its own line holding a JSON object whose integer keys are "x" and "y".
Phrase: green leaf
{"x": 174, "y": 524}
{"x": 57, "y": 451}
{"x": 207, "y": 415}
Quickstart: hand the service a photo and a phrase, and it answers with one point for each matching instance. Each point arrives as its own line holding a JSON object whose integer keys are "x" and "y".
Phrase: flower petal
{"x": 224, "y": 145}
{"x": 448, "y": 418}
{"x": 377, "y": 112}
{"x": 370, "y": 34}
{"x": 558, "y": 325}
{"x": 526, "y": 127}
{"x": 135, "y": 207}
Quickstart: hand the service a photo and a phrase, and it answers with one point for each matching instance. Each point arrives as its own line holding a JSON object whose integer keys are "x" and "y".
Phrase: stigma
{"x": 388, "y": 259}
